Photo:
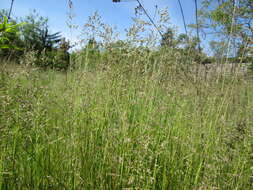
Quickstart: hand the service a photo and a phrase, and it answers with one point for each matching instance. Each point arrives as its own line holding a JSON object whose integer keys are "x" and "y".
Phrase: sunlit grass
{"x": 119, "y": 129}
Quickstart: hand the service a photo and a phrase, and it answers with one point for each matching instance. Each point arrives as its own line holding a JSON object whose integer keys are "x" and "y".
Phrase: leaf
{"x": 5, "y": 46}
{"x": 2, "y": 39}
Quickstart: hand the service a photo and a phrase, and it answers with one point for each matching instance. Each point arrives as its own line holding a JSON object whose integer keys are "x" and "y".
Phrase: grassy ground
{"x": 119, "y": 129}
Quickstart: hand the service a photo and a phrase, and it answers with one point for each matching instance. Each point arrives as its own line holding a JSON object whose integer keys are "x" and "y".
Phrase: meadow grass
{"x": 116, "y": 128}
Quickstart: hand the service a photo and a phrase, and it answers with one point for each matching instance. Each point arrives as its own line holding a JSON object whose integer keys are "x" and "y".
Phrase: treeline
{"x": 29, "y": 40}
{"x": 31, "y": 36}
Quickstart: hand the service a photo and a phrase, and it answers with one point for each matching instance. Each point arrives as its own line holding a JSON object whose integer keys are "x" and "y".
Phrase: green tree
{"x": 218, "y": 49}
{"x": 49, "y": 40}
{"x": 9, "y": 34}
{"x": 35, "y": 33}
{"x": 62, "y": 57}
{"x": 232, "y": 19}
{"x": 168, "y": 39}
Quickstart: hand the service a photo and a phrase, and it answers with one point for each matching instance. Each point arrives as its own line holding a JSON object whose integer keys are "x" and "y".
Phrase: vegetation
{"x": 117, "y": 128}
{"x": 32, "y": 36}
{"x": 35, "y": 33}
{"x": 9, "y": 33}
{"x": 232, "y": 22}
{"x": 139, "y": 113}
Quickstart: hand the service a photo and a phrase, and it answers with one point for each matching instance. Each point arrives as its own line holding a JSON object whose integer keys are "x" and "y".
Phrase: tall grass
{"x": 124, "y": 128}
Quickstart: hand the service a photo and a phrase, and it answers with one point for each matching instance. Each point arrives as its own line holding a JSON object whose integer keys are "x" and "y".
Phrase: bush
{"x": 58, "y": 59}
{"x": 9, "y": 37}
{"x": 61, "y": 60}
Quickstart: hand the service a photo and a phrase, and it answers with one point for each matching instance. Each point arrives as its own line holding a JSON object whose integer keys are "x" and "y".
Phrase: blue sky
{"x": 118, "y": 14}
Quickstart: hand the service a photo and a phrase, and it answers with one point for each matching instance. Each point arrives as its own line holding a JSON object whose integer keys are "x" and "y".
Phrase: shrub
{"x": 61, "y": 60}
{"x": 9, "y": 36}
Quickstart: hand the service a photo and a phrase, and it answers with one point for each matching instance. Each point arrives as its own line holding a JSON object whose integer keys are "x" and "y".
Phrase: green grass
{"x": 111, "y": 129}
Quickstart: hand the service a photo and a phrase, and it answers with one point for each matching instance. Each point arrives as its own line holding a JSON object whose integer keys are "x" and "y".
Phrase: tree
{"x": 183, "y": 40}
{"x": 49, "y": 40}
{"x": 9, "y": 34}
{"x": 92, "y": 44}
{"x": 232, "y": 19}
{"x": 35, "y": 33}
{"x": 168, "y": 39}
{"x": 62, "y": 57}
{"x": 218, "y": 49}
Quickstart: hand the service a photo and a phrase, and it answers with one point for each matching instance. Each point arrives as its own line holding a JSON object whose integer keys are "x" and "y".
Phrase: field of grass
{"x": 118, "y": 128}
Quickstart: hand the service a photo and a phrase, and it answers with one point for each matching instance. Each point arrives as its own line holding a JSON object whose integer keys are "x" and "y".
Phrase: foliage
{"x": 58, "y": 59}
{"x": 231, "y": 19}
{"x": 9, "y": 31}
{"x": 218, "y": 49}
{"x": 168, "y": 39}
{"x": 62, "y": 58}
{"x": 35, "y": 33}
{"x": 31, "y": 38}
{"x": 49, "y": 40}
